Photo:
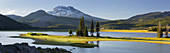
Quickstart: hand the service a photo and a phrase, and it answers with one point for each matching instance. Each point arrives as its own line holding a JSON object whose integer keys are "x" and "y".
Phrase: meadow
{"x": 82, "y": 41}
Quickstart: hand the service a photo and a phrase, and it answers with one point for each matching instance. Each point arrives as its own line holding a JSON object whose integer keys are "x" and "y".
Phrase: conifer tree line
{"x": 82, "y": 30}
{"x": 160, "y": 32}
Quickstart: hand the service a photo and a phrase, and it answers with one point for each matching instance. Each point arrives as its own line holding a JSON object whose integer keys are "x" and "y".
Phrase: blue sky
{"x": 108, "y": 9}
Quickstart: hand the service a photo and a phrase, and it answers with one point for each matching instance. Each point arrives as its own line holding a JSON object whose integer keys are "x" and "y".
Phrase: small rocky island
{"x": 25, "y": 48}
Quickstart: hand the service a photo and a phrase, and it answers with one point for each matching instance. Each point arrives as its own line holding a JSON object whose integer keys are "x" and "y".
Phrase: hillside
{"x": 142, "y": 21}
{"x": 7, "y": 23}
{"x": 14, "y": 17}
{"x": 41, "y": 19}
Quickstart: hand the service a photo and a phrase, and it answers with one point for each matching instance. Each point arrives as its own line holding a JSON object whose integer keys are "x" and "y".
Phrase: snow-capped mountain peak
{"x": 63, "y": 8}
{"x": 69, "y": 11}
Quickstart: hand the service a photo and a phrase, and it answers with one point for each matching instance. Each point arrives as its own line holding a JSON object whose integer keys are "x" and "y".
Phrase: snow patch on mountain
{"x": 70, "y": 11}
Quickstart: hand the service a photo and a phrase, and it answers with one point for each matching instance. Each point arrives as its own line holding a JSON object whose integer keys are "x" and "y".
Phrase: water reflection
{"x": 93, "y": 42}
{"x": 103, "y": 46}
{"x": 97, "y": 44}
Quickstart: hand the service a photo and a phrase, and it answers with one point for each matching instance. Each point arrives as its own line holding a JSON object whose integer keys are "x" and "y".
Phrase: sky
{"x": 107, "y": 9}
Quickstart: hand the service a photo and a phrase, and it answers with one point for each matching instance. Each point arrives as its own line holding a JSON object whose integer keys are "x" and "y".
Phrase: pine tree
{"x": 83, "y": 25}
{"x": 80, "y": 26}
{"x": 159, "y": 31}
{"x": 86, "y": 32}
{"x": 77, "y": 32}
{"x": 70, "y": 32}
{"x": 167, "y": 30}
{"x": 97, "y": 29}
{"x": 92, "y": 28}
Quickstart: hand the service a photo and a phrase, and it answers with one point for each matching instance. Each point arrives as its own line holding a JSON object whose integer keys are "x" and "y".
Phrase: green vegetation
{"x": 81, "y": 26}
{"x": 36, "y": 33}
{"x": 61, "y": 26}
{"x": 140, "y": 22}
{"x": 58, "y": 40}
{"x": 81, "y": 41}
{"x": 86, "y": 32}
{"x": 97, "y": 29}
{"x": 77, "y": 32}
{"x": 159, "y": 31}
{"x": 70, "y": 32}
{"x": 166, "y": 33}
{"x": 7, "y": 23}
{"x": 92, "y": 28}
{"x": 154, "y": 28}
{"x": 82, "y": 31}
{"x": 42, "y": 19}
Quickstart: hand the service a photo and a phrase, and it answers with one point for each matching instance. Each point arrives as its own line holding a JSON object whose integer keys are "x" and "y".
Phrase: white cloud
{"x": 8, "y": 11}
{"x": 18, "y": 12}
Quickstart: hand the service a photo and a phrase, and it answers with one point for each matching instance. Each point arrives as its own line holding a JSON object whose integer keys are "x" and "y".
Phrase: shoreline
{"x": 25, "y": 47}
{"x": 81, "y": 41}
{"x": 130, "y": 31}
{"x": 58, "y": 30}
{"x": 66, "y": 30}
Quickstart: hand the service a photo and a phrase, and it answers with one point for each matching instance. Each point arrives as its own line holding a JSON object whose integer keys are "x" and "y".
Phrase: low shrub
{"x": 36, "y": 34}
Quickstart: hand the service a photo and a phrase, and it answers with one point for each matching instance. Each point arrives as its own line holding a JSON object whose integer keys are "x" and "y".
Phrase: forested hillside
{"x": 7, "y": 23}
{"x": 142, "y": 21}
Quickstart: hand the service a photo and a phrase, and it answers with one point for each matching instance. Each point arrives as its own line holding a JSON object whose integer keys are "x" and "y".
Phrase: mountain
{"x": 72, "y": 12}
{"x": 41, "y": 19}
{"x": 142, "y": 21}
{"x": 7, "y": 23}
{"x": 152, "y": 18}
{"x": 14, "y": 17}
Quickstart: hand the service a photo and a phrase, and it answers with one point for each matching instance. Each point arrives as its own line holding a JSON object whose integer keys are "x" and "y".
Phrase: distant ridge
{"x": 7, "y": 23}
{"x": 41, "y": 19}
{"x": 15, "y": 17}
{"x": 142, "y": 21}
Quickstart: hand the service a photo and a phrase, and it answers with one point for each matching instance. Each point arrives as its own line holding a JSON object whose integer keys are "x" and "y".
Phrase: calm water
{"x": 104, "y": 46}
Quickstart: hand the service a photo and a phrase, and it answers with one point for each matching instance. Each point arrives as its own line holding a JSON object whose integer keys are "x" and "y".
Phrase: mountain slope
{"x": 14, "y": 17}
{"x": 72, "y": 12}
{"x": 152, "y": 18}
{"x": 142, "y": 21}
{"x": 9, "y": 24}
{"x": 41, "y": 19}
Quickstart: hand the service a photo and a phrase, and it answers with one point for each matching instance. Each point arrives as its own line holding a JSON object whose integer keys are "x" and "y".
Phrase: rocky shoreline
{"x": 25, "y": 48}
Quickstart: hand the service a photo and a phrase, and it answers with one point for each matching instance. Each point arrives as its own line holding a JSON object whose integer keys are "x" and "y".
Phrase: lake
{"x": 104, "y": 46}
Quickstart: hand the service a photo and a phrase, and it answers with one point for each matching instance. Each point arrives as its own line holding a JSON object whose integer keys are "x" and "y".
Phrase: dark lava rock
{"x": 25, "y": 48}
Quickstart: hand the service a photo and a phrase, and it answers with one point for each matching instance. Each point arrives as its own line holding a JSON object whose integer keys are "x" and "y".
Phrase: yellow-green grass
{"x": 69, "y": 39}
{"x": 59, "y": 40}
{"x": 141, "y": 31}
{"x": 83, "y": 40}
